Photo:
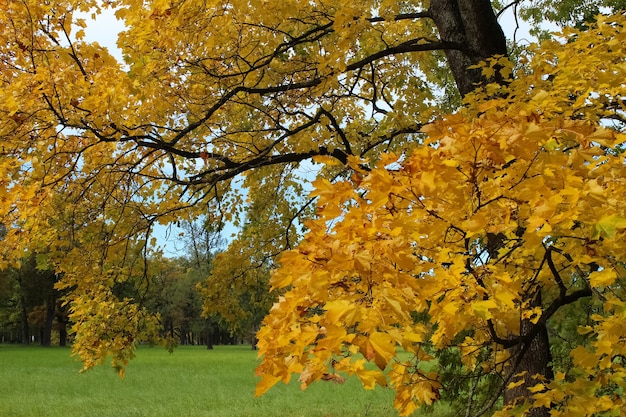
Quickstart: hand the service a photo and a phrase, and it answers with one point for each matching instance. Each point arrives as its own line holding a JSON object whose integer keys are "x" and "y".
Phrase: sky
{"x": 104, "y": 30}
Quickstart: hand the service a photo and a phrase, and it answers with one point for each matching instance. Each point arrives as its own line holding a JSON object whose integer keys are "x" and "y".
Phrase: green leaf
{"x": 609, "y": 225}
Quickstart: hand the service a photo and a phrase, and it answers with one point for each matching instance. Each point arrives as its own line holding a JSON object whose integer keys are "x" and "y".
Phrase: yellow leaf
{"x": 481, "y": 308}
{"x": 537, "y": 388}
{"x": 369, "y": 378}
{"x": 517, "y": 383}
{"x": 336, "y": 309}
{"x": 384, "y": 347}
{"x": 533, "y": 314}
{"x": 583, "y": 358}
{"x": 541, "y": 400}
{"x": 412, "y": 337}
{"x": 428, "y": 179}
{"x": 450, "y": 308}
{"x": 325, "y": 160}
{"x": 397, "y": 309}
{"x": 541, "y": 96}
{"x": 267, "y": 382}
{"x": 602, "y": 278}
{"x": 505, "y": 298}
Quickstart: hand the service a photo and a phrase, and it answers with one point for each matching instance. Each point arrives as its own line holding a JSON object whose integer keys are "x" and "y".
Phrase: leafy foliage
{"x": 465, "y": 233}
{"x": 237, "y": 289}
{"x": 568, "y": 12}
{"x": 97, "y": 152}
{"x": 517, "y": 194}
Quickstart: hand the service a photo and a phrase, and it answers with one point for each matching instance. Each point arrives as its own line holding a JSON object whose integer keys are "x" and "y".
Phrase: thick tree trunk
{"x": 532, "y": 358}
{"x": 471, "y": 23}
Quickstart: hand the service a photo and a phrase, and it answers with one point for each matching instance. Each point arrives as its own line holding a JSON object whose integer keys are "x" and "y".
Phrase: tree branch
{"x": 562, "y": 300}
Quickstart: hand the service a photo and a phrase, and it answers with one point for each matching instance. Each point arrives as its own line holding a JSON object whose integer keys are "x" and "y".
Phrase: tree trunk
{"x": 46, "y": 331}
{"x": 209, "y": 339}
{"x": 62, "y": 323}
{"x": 25, "y": 331}
{"x": 63, "y": 335}
{"x": 209, "y": 332}
{"x": 533, "y": 358}
{"x": 473, "y": 24}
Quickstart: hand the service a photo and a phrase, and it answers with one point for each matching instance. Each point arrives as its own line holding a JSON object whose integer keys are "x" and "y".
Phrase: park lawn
{"x": 192, "y": 381}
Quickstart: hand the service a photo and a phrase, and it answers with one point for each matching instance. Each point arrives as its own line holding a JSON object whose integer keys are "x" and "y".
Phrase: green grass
{"x": 193, "y": 381}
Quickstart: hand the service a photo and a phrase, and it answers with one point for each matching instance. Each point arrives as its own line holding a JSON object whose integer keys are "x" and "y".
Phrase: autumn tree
{"x": 448, "y": 231}
{"x": 506, "y": 220}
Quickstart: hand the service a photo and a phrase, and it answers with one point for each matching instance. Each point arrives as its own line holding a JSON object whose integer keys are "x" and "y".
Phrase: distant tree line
{"x": 33, "y": 311}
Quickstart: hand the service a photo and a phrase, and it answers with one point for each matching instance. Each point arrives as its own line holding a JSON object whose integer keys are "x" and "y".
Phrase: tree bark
{"x": 473, "y": 24}
{"x": 46, "y": 331}
{"x": 62, "y": 321}
{"x": 532, "y": 358}
{"x": 209, "y": 339}
{"x": 63, "y": 335}
{"x": 24, "y": 330}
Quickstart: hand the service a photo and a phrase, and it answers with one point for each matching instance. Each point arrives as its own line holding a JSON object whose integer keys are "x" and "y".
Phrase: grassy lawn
{"x": 193, "y": 381}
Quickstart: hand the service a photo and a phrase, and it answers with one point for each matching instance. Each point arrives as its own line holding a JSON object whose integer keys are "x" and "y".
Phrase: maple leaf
{"x": 609, "y": 225}
{"x": 602, "y": 278}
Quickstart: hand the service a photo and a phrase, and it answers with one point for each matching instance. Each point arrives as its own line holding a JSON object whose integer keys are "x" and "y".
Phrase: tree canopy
{"x": 517, "y": 195}
{"x": 457, "y": 205}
